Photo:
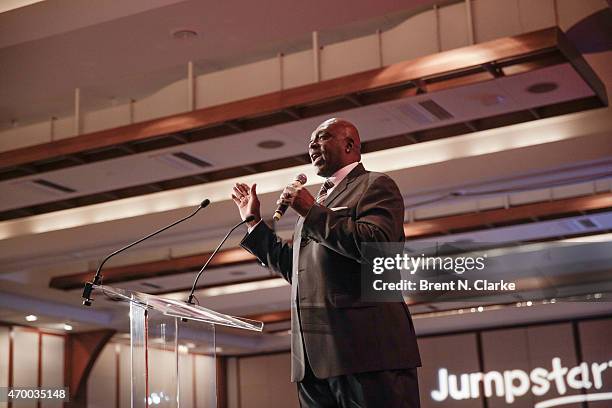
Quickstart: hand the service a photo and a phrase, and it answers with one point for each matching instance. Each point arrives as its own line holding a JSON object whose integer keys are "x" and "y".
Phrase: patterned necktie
{"x": 323, "y": 191}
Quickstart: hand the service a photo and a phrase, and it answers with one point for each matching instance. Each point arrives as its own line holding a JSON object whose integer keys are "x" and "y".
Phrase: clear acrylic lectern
{"x": 156, "y": 324}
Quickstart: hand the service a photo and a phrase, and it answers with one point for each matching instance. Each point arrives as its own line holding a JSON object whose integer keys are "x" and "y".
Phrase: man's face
{"x": 326, "y": 150}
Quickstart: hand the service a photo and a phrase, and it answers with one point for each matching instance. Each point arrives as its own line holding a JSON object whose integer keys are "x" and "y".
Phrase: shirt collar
{"x": 338, "y": 176}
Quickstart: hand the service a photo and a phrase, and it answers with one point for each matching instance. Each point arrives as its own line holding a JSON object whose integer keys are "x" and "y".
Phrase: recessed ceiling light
{"x": 542, "y": 87}
{"x": 31, "y": 318}
{"x": 270, "y": 144}
{"x": 184, "y": 34}
{"x": 67, "y": 327}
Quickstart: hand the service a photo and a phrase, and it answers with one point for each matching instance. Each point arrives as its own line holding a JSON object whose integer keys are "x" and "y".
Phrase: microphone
{"x": 98, "y": 277}
{"x": 195, "y": 282}
{"x": 280, "y": 210}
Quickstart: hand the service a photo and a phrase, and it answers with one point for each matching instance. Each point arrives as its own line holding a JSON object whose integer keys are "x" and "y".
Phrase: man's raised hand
{"x": 246, "y": 200}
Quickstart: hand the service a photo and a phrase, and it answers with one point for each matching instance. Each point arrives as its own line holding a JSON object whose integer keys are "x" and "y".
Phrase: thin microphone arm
{"x": 96, "y": 280}
{"x": 195, "y": 282}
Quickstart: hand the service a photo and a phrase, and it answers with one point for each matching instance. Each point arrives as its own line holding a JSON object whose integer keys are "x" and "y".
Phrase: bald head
{"x": 334, "y": 144}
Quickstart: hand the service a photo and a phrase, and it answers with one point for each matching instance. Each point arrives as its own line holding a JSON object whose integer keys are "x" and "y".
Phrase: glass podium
{"x": 159, "y": 330}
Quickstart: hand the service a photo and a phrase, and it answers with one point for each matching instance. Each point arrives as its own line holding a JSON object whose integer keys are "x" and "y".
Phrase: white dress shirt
{"x": 340, "y": 175}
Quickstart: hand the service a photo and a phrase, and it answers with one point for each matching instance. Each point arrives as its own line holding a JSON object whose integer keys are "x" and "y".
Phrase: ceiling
{"x": 463, "y": 91}
{"x": 45, "y": 52}
{"x": 126, "y": 50}
{"x": 142, "y": 171}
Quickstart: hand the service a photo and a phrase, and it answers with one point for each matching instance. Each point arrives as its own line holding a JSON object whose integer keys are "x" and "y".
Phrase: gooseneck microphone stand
{"x": 195, "y": 282}
{"x": 98, "y": 277}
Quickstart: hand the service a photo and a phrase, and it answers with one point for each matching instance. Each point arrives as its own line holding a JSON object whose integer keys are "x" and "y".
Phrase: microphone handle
{"x": 96, "y": 280}
{"x": 195, "y": 281}
{"x": 280, "y": 211}
{"x": 282, "y": 208}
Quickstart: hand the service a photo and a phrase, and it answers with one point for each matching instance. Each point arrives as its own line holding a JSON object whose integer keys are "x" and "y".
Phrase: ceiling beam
{"x": 527, "y": 212}
{"x": 526, "y": 284}
{"x": 434, "y": 133}
{"x": 428, "y": 67}
{"x": 271, "y": 317}
{"x": 234, "y": 256}
{"x": 412, "y": 230}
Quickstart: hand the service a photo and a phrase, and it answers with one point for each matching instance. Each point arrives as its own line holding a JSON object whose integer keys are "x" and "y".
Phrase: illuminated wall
{"x": 513, "y": 364}
{"x": 30, "y": 358}
{"x": 109, "y": 382}
{"x": 536, "y": 366}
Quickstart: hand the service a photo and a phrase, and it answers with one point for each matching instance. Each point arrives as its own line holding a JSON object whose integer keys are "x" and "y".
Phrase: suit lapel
{"x": 357, "y": 171}
{"x": 297, "y": 231}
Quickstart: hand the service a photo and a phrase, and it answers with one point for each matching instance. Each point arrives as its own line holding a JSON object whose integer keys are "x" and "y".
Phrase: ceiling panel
{"x": 242, "y": 148}
{"x": 484, "y": 99}
{"x": 376, "y": 121}
{"x": 134, "y": 54}
{"x": 569, "y": 86}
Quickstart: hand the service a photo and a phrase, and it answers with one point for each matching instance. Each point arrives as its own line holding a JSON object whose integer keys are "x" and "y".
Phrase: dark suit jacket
{"x": 342, "y": 335}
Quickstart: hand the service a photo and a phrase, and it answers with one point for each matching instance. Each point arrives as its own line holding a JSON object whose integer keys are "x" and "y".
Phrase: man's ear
{"x": 349, "y": 144}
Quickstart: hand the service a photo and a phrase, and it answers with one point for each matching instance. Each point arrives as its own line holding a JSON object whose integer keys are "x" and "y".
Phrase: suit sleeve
{"x": 269, "y": 249}
{"x": 378, "y": 217}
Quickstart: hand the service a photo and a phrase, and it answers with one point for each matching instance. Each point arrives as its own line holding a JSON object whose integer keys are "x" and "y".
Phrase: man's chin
{"x": 320, "y": 167}
{"x": 322, "y": 171}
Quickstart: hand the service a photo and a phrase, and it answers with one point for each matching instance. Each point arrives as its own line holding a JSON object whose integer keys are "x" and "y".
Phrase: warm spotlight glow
{"x": 8, "y": 5}
{"x": 590, "y": 238}
{"x": 232, "y": 288}
{"x": 572, "y": 126}
{"x": 31, "y": 318}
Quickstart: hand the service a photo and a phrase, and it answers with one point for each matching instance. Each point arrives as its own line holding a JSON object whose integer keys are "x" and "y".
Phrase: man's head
{"x": 334, "y": 144}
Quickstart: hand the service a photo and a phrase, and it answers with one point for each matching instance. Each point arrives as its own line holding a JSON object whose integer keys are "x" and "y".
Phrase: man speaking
{"x": 345, "y": 352}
